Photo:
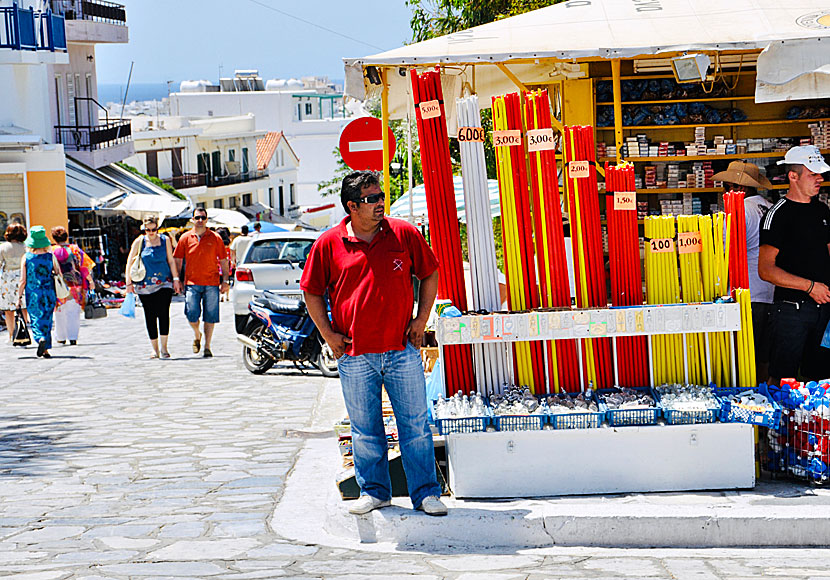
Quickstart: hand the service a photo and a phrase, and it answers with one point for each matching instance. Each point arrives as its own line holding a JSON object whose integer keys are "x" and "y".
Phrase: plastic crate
{"x": 520, "y": 422}
{"x": 630, "y": 417}
{"x": 732, "y": 414}
{"x": 677, "y": 417}
{"x": 581, "y": 420}
{"x": 462, "y": 425}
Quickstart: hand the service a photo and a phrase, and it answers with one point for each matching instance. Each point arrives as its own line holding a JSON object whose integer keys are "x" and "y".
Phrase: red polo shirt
{"x": 370, "y": 285}
{"x": 202, "y": 256}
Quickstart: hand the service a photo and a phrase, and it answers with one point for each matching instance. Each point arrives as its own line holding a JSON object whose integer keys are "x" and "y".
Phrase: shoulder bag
{"x": 21, "y": 335}
{"x": 61, "y": 289}
{"x": 137, "y": 270}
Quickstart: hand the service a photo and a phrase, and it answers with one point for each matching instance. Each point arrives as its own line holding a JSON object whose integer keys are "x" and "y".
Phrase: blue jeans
{"x": 195, "y": 296}
{"x": 401, "y": 372}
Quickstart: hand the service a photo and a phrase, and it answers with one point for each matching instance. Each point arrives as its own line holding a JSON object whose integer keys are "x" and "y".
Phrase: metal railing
{"x": 27, "y": 29}
{"x": 93, "y": 137}
{"x": 94, "y": 10}
{"x": 186, "y": 180}
{"x": 218, "y": 181}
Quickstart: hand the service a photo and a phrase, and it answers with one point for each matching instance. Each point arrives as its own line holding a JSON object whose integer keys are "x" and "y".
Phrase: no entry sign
{"x": 361, "y": 144}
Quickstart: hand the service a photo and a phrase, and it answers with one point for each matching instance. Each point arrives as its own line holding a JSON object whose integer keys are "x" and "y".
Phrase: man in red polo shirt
{"x": 366, "y": 264}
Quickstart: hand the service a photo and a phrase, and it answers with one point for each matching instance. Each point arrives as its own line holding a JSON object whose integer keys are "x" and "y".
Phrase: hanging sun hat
{"x": 37, "y": 238}
{"x": 743, "y": 173}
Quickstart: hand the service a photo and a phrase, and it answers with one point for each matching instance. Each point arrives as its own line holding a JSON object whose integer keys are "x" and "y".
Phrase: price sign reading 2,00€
{"x": 689, "y": 243}
{"x": 578, "y": 169}
{"x": 471, "y": 134}
{"x": 661, "y": 245}
{"x": 509, "y": 138}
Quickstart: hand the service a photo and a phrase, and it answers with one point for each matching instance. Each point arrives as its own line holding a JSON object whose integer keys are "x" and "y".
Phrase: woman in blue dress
{"x": 37, "y": 269}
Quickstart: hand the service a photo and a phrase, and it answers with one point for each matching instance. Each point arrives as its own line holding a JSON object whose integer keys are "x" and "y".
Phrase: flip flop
{"x": 154, "y": 355}
{"x": 165, "y": 354}
{"x": 197, "y": 344}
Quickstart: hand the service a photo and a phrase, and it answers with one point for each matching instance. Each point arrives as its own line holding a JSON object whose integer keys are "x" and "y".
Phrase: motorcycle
{"x": 280, "y": 329}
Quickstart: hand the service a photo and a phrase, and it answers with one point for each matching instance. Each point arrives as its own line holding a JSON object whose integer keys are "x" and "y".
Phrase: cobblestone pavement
{"x": 113, "y": 465}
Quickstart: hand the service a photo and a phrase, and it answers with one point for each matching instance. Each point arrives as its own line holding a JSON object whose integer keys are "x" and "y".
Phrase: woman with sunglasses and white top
{"x": 156, "y": 289}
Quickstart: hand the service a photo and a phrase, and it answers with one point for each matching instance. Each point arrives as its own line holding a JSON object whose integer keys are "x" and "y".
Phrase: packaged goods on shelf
{"x": 820, "y": 134}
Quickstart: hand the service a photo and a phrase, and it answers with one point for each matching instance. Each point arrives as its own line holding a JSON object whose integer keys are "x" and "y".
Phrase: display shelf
{"x": 751, "y": 123}
{"x": 671, "y": 158}
{"x": 787, "y": 185}
{"x": 670, "y": 101}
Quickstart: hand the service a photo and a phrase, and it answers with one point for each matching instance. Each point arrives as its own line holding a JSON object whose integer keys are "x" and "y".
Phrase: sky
{"x": 190, "y": 39}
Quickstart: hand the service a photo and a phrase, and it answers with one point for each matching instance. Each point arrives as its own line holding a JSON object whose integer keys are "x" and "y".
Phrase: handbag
{"x": 61, "y": 289}
{"x": 21, "y": 336}
{"x": 94, "y": 308}
{"x": 137, "y": 270}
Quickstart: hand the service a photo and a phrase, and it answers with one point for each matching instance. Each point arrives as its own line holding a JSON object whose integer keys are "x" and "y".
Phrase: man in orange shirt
{"x": 203, "y": 251}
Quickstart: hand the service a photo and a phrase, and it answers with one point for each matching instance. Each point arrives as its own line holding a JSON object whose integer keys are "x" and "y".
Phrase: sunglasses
{"x": 199, "y": 218}
{"x": 374, "y": 198}
{"x": 151, "y": 230}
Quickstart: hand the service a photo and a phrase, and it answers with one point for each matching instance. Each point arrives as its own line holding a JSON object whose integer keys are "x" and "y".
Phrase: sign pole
{"x": 384, "y": 108}
{"x": 617, "y": 86}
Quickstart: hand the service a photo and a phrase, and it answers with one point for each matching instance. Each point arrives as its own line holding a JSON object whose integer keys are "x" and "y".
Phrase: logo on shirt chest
{"x": 397, "y": 265}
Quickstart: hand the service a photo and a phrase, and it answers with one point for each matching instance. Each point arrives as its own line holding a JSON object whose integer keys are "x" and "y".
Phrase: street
{"x": 113, "y": 465}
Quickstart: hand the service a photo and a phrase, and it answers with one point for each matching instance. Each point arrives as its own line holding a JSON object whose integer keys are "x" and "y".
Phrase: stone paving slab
{"x": 114, "y": 467}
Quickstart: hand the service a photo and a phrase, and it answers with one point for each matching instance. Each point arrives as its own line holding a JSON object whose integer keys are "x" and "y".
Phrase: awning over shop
{"x": 590, "y": 29}
{"x": 140, "y": 205}
{"x": 792, "y": 70}
{"x": 87, "y": 189}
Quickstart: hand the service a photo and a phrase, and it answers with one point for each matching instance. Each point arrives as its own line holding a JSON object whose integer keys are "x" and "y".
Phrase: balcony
{"x": 30, "y": 34}
{"x": 97, "y": 145}
{"x": 93, "y": 20}
{"x": 232, "y": 179}
{"x": 186, "y": 180}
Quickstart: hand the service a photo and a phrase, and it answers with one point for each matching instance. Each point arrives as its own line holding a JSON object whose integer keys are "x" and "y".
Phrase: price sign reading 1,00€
{"x": 661, "y": 245}
{"x": 578, "y": 169}
{"x": 509, "y": 138}
{"x": 625, "y": 200}
{"x": 430, "y": 109}
{"x": 689, "y": 243}
{"x": 540, "y": 140}
{"x": 471, "y": 134}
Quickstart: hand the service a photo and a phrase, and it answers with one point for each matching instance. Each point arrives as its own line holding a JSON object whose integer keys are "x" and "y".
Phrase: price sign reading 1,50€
{"x": 661, "y": 245}
{"x": 430, "y": 109}
{"x": 509, "y": 138}
{"x": 625, "y": 200}
{"x": 578, "y": 169}
{"x": 540, "y": 140}
{"x": 689, "y": 243}
{"x": 470, "y": 134}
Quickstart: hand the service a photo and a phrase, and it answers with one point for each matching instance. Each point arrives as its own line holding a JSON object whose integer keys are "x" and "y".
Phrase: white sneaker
{"x": 367, "y": 503}
{"x": 432, "y": 506}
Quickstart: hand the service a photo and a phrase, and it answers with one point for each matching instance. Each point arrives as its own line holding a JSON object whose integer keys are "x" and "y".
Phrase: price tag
{"x": 430, "y": 109}
{"x": 625, "y": 200}
{"x": 578, "y": 169}
{"x": 661, "y": 245}
{"x": 470, "y": 134}
{"x": 540, "y": 140}
{"x": 509, "y": 138}
{"x": 689, "y": 243}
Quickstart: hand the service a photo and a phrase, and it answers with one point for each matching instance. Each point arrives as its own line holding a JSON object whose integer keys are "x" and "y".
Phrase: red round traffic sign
{"x": 361, "y": 144}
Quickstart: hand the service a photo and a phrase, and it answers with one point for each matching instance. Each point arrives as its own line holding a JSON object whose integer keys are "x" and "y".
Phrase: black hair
{"x": 197, "y": 208}
{"x": 244, "y": 230}
{"x": 353, "y": 185}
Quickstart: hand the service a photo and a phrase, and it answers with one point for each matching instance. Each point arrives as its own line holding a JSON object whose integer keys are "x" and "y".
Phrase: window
{"x": 58, "y": 100}
{"x": 233, "y": 202}
{"x": 282, "y": 157}
{"x": 271, "y": 197}
{"x": 279, "y": 251}
{"x": 201, "y": 205}
{"x": 231, "y": 154}
{"x": 246, "y": 199}
{"x": 244, "y": 160}
{"x": 308, "y": 108}
{"x": 299, "y": 111}
{"x": 217, "y": 163}
{"x": 217, "y": 203}
{"x": 291, "y": 199}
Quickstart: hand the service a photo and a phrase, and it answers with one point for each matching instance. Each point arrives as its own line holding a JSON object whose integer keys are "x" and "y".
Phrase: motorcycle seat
{"x": 277, "y": 303}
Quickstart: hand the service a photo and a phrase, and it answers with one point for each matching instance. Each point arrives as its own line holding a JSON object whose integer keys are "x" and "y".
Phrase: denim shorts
{"x": 197, "y": 298}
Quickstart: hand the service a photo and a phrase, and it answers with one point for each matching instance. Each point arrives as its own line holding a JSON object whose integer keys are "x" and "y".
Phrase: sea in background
{"x": 114, "y": 93}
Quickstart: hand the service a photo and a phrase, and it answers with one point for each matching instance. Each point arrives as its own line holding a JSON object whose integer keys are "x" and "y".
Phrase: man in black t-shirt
{"x": 795, "y": 256}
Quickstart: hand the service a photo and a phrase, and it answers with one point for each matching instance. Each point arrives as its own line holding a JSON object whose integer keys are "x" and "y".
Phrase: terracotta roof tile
{"x": 266, "y": 147}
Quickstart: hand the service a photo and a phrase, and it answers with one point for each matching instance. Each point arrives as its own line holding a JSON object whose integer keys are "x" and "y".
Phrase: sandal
{"x": 165, "y": 354}
{"x": 197, "y": 344}
{"x": 208, "y": 354}
{"x": 154, "y": 355}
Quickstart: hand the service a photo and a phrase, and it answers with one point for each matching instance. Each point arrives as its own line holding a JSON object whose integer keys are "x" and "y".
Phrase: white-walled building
{"x": 276, "y": 156}
{"x": 310, "y": 118}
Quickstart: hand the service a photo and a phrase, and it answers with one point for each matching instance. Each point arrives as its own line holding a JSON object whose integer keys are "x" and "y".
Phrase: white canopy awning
{"x": 140, "y": 205}
{"x": 591, "y": 29}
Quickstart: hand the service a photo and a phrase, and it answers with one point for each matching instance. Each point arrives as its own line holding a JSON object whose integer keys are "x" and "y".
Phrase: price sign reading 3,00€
{"x": 471, "y": 134}
{"x": 689, "y": 243}
{"x": 540, "y": 140}
{"x": 430, "y": 109}
{"x": 661, "y": 245}
{"x": 509, "y": 138}
{"x": 625, "y": 200}
{"x": 578, "y": 169}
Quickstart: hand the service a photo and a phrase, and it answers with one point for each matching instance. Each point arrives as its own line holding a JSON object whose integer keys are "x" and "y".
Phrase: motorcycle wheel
{"x": 326, "y": 361}
{"x": 255, "y": 362}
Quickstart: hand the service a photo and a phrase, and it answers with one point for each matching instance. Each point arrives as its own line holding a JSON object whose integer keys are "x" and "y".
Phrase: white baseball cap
{"x": 807, "y": 155}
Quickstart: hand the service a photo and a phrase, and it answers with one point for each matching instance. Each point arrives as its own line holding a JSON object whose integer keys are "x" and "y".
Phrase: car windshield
{"x": 279, "y": 251}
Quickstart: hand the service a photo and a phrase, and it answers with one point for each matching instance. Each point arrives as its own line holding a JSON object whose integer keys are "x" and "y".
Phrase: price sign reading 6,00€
{"x": 540, "y": 140}
{"x": 509, "y": 138}
{"x": 578, "y": 169}
{"x": 625, "y": 200}
{"x": 661, "y": 245}
{"x": 430, "y": 109}
{"x": 689, "y": 243}
{"x": 470, "y": 134}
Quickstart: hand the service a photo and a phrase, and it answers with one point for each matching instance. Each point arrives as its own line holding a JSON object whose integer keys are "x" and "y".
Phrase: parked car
{"x": 271, "y": 262}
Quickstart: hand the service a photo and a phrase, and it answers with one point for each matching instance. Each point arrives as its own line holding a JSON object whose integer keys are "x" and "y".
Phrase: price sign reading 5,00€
{"x": 470, "y": 134}
{"x": 430, "y": 109}
{"x": 625, "y": 200}
{"x": 689, "y": 243}
{"x": 578, "y": 169}
{"x": 540, "y": 140}
{"x": 509, "y": 138}
{"x": 661, "y": 245}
